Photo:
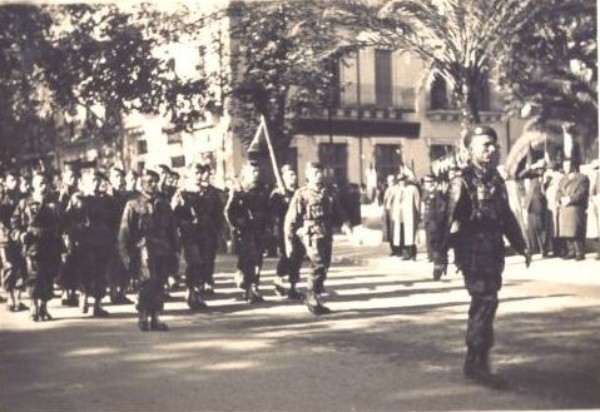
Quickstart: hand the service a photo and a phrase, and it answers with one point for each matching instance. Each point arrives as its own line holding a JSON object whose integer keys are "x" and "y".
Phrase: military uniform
{"x": 35, "y": 225}
{"x": 246, "y": 213}
{"x": 148, "y": 230}
{"x": 119, "y": 276}
{"x": 478, "y": 209}
{"x": 279, "y": 202}
{"x": 312, "y": 214}
{"x": 71, "y": 265}
{"x": 436, "y": 203}
{"x": 199, "y": 217}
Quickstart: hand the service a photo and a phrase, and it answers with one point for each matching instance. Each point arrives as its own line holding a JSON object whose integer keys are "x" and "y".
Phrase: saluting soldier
{"x": 148, "y": 231}
{"x": 477, "y": 216}
{"x": 246, "y": 213}
{"x": 312, "y": 214}
{"x": 199, "y": 216}
{"x": 13, "y": 265}
{"x": 286, "y": 266}
{"x": 35, "y": 225}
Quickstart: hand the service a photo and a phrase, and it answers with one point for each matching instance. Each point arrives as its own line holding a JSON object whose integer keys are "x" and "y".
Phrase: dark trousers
{"x": 575, "y": 247}
{"x": 119, "y": 276}
{"x": 154, "y": 269}
{"x": 41, "y": 270}
{"x": 480, "y": 326}
{"x": 318, "y": 251}
{"x": 199, "y": 253}
{"x": 290, "y": 266}
{"x": 536, "y": 233}
{"x": 70, "y": 269}
{"x": 250, "y": 258}
{"x": 94, "y": 279}
{"x": 13, "y": 267}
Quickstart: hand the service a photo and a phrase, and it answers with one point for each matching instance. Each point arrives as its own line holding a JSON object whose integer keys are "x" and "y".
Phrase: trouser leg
{"x": 480, "y": 326}
{"x": 319, "y": 253}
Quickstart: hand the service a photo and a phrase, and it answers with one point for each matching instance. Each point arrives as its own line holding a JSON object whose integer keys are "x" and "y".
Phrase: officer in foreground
{"x": 311, "y": 216}
{"x": 477, "y": 217}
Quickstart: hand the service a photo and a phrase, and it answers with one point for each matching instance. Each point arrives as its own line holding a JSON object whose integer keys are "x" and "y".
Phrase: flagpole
{"x": 263, "y": 124}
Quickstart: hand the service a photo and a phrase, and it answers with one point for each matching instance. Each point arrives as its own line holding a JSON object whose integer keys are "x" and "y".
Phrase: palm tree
{"x": 460, "y": 41}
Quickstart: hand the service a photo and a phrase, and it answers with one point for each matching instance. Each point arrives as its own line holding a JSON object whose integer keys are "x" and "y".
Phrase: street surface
{"x": 394, "y": 342}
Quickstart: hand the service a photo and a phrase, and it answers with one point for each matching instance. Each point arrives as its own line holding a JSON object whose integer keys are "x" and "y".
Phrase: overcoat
{"x": 571, "y": 217}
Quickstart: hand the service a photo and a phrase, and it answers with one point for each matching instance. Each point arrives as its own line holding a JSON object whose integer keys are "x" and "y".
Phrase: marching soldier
{"x": 35, "y": 225}
{"x": 199, "y": 216}
{"x": 478, "y": 215}
{"x": 13, "y": 265}
{"x": 309, "y": 222}
{"x": 148, "y": 232}
{"x": 118, "y": 275}
{"x": 71, "y": 266}
{"x": 246, "y": 213}
{"x": 93, "y": 214}
{"x": 286, "y": 266}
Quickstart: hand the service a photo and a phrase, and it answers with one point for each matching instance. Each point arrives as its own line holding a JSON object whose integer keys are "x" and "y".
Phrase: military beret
{"x": 100, "y": 175}
{"x": 480, "y": 130}
{"x": 174, "y": 174}
{"x": 314, "y": 165}
{"x": 202, "y": 166}
{"x": 118, "y": 170}
{"x": 164, "y": 168}
{"x": 286, "y": 168}
{"x": 150, "y": 173}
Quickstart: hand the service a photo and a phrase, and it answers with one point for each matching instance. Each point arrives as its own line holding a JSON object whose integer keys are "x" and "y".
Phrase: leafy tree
{"x": 460, "y": 41}
{"x": 552, "y": 66}
{"x": 24, "y": 118}
{"x": 283, "y": 59}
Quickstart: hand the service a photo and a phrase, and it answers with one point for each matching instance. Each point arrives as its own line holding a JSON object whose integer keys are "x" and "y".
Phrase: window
{"x": 178, "y": 161}
{"x": 439, "y": 94}
{"x": 387, "y": 160}
{"x": 334, "y": 158}
{"x": 174, "y": 138}
{"x": 383, "y": 78}
{"x": 142, "y": 147}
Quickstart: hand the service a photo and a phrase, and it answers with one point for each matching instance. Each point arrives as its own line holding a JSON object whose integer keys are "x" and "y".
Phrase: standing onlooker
{"x": 552, "y": 178}
{"x": 387, "y": 207}
{"x": 536, "y": 205}
{"x": 573, "y": 193}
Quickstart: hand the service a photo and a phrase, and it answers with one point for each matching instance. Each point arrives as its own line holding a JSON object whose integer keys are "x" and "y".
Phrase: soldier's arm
{"x": 128, "y": 232}
{"x": 172, "y": 229}
{"x": 456, "y": 196}
{"x": 18, "y": 222}
{"x": 512, "y": 230}
{"x": 293, "y": 217}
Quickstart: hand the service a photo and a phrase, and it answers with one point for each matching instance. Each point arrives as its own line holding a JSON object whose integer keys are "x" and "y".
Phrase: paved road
{"x": 395, "y": 342}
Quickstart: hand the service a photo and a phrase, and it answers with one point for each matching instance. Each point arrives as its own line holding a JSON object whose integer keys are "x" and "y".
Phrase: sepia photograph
{"x": 299, "y": 205}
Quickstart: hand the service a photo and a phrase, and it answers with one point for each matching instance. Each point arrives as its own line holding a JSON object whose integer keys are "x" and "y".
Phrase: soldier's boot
{"x": 253, "y": 296}
{"x": 118, "y": 297}
{"x": 315, "y": 306}
{"x": 194, "y": 300}
{"x": 470, "y": 363}
{"x": 579, "y": 250}
{"x": 12, "y": 301}
{"x": 43, "y": 312}
{"x": 99, "y": 311}
{"x": 294, "y": 294}
{"x": 35, "y": 310}
{"x": 209, "y": 287}
{"x": 156, "y": 324}
{"x": 406, "y": 253}
{"x": 279, "y": 287}
{"x": 71, "y": 299}
{"x": 143, "y": 323}
{"x": 482, "y": 373}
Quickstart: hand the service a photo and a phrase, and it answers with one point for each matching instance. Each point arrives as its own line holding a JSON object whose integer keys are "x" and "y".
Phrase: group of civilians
{"x": 557, "y": 207}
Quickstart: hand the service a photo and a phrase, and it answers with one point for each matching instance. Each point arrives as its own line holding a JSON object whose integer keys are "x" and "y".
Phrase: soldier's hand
{"x": 527, "y": 255}
{"x": 439, "y": 269}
